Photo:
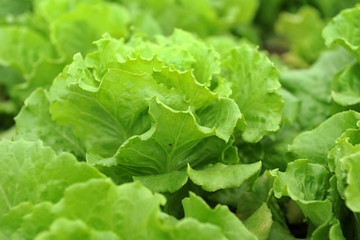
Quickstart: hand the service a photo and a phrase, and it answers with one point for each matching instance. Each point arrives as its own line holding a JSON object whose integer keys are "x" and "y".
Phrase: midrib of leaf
{"x": 170, "y": 164}
{"x": 169, "y": 159}
{"x": 146, "y": 156}
{"x": 193, "y": 98}
{"x": 119, "y": 125}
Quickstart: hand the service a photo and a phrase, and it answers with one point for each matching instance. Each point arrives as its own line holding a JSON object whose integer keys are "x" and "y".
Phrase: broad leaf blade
{"x": 34, "y": 122}
{"x": 343, "y": 29}
{"x": 254, "y": 82}
{"x": 315, "y": 145}
{"x": 221, "y": 216}
{"x": 34, "y": 173}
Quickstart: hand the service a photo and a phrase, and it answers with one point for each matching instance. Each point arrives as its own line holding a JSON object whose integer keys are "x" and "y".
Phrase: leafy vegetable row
{"x": 140, "y": 134}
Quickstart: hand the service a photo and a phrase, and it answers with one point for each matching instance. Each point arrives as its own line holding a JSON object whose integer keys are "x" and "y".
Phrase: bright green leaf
{"x": 220, "y": 176}
{"x": 34, "y": 122}
{"x": 254, "y": 82}
{"x": 260, "y": 222}
{"x": 344, "y": 29}
{"x": 345, "y": 85}
{"x": 315, "y": 145}
{"x": 220, "y": 216}
{"x": 306, "y": 183}
{"x": 34, "y": 173}
{"x": 312, "y": 86}
{"x": 167, "y": 182}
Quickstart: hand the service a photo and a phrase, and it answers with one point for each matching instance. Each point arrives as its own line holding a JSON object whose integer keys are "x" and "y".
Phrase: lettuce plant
{"x": 152, "y": 136}
{"x": 174, "y": 98}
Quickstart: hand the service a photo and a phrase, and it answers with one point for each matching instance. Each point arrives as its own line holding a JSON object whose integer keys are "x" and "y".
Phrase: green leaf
{"x": 13, "y": 8}
{"x": 77, "y": 72}
{"x": 252, "y": 200}
{"x": 202, "y": 17}
{"x": 346, "y": 145}
{"x": 111, "y": 52}
{"x": 315, "y": 145}
{"x": 11, "y": 221}
{"x": 306, "y": 183}
{"x": 254, "y": 82}
{"x": 236, "y": 12}
{"x": 196, "y": 94}
{"x": 66, "y": 229}
{"x": 336, "y": 232}
{"x": 99, "y": 209}
{"x": 34, "y": 173}
{"x": 345, "y": 85}
{"x": 110, "y": 204}
{"x": 51, "y": 10}
{"x": 189, "y": 228}
{"x": 167, "y": 182}
{"x": 229, "y": 197}
{"x": 338, "y": 205}
{"x": 302, "y": 181}
{"x": 330, "y": 230}
{"x": 344, "y": 30}
{"x": 42, "y": 75}
{"x": 28, "y": 61}
{"x": 312, "y": 86}
{"x": 231, "y": 226}
{"x": 99, "y": 119}
{"x": 343, "y": 159}
{"x": 220, "y": 176}
{"x": 223, "y": 44}
{"x": 93, "y": 20}
{"x": 352, "y": 191}
{"x": 292, "y": 106}
{"x": 34, "y": 122}
{"x": 222, "y": 115}
{"x": 260, "y": 222}
{"x": 22, "y": 47}
{"x": 185, "y": 51}
{"x": 37, "y": 220}
{"x": 303, "y": 32}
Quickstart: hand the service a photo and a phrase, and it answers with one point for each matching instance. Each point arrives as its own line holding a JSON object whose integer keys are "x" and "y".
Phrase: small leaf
{"x": 220, "y": 176}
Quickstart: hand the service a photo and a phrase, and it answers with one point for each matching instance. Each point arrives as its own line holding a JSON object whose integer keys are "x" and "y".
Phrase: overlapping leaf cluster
{"x": 157, "y": 110}
{"x": 38, "y": 38}
{"x": 50, "y": 196}
{"x": 133, "y": 126}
